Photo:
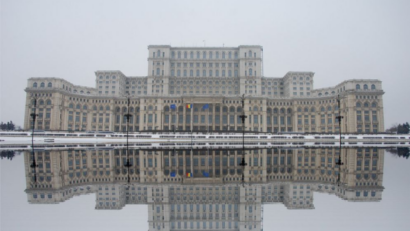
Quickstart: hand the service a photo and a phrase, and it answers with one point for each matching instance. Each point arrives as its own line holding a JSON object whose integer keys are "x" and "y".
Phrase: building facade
{"x": 201, "y": 88}
{"x": 217, "y": 200}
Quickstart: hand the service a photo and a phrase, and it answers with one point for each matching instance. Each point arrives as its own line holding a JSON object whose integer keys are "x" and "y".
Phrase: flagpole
{"x": 192, "y": 117}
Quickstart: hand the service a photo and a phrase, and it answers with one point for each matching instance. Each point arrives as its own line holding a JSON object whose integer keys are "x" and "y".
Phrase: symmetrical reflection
{"x": 204, "y": 189}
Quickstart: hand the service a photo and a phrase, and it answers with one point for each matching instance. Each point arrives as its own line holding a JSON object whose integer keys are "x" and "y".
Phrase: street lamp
{"x": 34, "y": 115}
{"x": 339, "y": 118}
{"x": 243, "y": 117}
{"x": 128, "y": 115}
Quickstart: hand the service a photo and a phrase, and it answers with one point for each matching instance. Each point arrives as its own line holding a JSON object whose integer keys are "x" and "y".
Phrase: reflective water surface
{"x": 277, "y": 188}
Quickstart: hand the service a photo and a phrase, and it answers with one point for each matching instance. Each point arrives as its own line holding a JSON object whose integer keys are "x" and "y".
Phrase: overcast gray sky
{"x": 338, "y": 40}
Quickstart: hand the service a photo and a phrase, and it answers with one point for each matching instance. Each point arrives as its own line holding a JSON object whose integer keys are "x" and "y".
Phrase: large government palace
{"x": 201, "y": 88}
{"x": 219, "y": 195}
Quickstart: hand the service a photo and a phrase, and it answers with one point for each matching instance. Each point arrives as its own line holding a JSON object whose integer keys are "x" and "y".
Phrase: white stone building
{"x": 212, "y": 80}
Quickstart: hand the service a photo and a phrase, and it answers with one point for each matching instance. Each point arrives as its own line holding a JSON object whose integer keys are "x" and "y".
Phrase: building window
{"x": 359, "y": 116}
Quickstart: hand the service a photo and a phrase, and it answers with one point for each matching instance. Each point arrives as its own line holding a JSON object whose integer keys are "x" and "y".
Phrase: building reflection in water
{"x": 205, "y": 190}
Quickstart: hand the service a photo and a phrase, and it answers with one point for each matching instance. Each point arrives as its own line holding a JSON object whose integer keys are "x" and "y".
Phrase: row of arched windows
{"x": 217, "y": 109}
{"x": 205, "y": 54}
{"x": 78, "y": 106}
{"x": 281, "y": 111}
{"x": 81, "y": 91}
{"x": 366, "y": 104}
{"x": 366, "y": 87}
{"x": 42, "y": 84}
{"x": 204, "y": 82}
{"x": 49, "y": 85}
{"x": 358, "y": 87}
{"x": 327, "y": 93}
{"x": 366, "y": 176}
{"x": 102, "y": 108}
{"x": 209, "y": 73}
{"x": 300, "y": 109}
{"x": 47, "y": 102}
{"x": 124, "y": 109}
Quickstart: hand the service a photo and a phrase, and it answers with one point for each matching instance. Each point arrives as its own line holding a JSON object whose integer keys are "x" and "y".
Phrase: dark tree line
{"x": 400, "y": 128}
{"x": 9, "y": 126}
{"x": 400, "y": 152}
{"x": 7, "y": 154}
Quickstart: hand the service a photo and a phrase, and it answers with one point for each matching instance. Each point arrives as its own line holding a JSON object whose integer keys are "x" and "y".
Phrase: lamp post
{"x": 243, "y": 117}
{"x": 339, "y": 118}
{"x": 128, "y": 115}
{"x": 33, "y": 115}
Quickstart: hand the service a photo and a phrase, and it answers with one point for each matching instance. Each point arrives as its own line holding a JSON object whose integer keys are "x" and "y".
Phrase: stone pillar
{"x": 380, "y": 113}
{"x": 27, "y": 112}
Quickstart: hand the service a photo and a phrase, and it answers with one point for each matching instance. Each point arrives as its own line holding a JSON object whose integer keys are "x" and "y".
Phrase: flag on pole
{"x": 206, "y": 106}
{"x": 189, "y": 105}
{"x": 173, "y": 106}
{"x": 173, "y": 174}
{"x": 188, "y": 174}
